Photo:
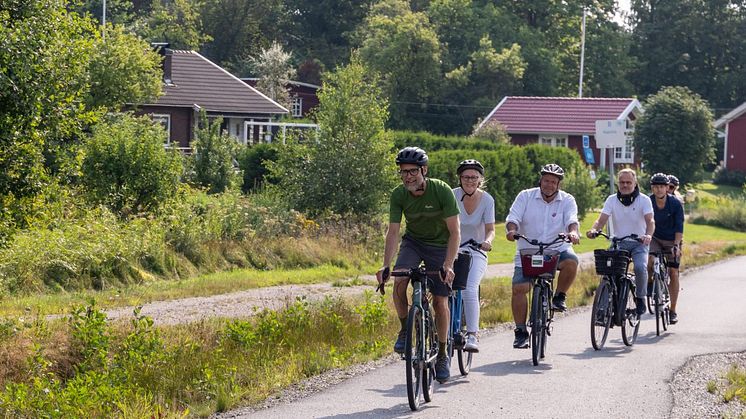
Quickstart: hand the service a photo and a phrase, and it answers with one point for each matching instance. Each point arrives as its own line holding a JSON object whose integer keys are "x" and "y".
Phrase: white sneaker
{"x": 472, "y": 343}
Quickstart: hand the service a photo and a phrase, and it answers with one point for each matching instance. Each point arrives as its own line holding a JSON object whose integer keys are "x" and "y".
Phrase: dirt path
{"x": 247, "y": 303}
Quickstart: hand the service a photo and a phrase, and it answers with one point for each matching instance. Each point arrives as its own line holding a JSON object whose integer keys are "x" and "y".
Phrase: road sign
{"x": 588, "y": 153}
{"x": 586, "y": 141}
{"x": 611, "y": 133}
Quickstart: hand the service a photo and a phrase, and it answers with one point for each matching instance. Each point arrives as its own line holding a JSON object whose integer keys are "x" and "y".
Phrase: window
{"x": 553, "y": 141}
{"x": 165, "y": 121}
{"x": 297, "y": 108}
{"x": 625, "y": 154}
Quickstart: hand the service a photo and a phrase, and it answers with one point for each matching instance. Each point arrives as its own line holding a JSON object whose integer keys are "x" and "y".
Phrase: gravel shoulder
{"x": 689, "y": 387}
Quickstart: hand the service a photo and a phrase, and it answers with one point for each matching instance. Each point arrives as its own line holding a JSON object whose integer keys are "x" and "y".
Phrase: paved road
{"x": 574, "y": 381}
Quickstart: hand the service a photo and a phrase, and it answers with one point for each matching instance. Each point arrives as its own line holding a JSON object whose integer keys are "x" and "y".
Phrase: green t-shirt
{"x": 425, "y": 214}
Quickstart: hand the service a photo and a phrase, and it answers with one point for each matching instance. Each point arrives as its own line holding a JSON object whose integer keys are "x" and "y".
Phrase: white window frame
{"x": 554, "y": 140}
{"x": 165, "y": 120}
{"x": 297, "y": 107}
{"x": 625, "y": 154}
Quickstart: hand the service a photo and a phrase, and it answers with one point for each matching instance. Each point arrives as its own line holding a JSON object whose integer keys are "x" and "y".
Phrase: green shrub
{"x": 253, "y": 163}
{"x": 214, "y": 152}
{"x": 126, "y": 167}
{"x": 588, "y": 195}
{"x": 433, "y": 142}
{"x": 723, "y": 176}
{"x": 492, "y": 131}
{"x": 721, "y": 211}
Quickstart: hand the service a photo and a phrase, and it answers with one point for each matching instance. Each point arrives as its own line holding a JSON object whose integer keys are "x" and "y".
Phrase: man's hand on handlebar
{"x": 591, "y": 234}
{"x": 382, "y": 276}
{"x": 510, "y": 235}
{"x": 574, "y": 237}
{"x": 447, "y": 275}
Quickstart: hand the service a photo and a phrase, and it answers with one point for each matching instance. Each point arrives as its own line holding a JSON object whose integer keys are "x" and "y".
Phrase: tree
{"x": 126, "y": 167}
{"x": 272, "y": 65}
{"x": 214, "y": 152}
{"x": 350, "y": 168}
{"x": 403, "y": 47}
{"x": 675, "y": 134}
{"x": 177, "y": 22}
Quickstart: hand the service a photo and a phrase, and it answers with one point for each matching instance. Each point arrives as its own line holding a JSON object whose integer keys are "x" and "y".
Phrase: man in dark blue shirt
{"x": 669, "y": 231}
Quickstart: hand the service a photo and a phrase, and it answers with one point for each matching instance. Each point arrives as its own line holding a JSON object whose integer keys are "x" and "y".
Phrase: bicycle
{"x": 457, "y": 330}
{"x": 540, "y": 265}
{"x": 659, "y": 299}
{"x": 421, "y": 344}
{"x": 614, "y": 302}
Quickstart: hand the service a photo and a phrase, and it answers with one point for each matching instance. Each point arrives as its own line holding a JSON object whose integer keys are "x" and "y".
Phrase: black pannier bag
{"x": 461, "y": 269}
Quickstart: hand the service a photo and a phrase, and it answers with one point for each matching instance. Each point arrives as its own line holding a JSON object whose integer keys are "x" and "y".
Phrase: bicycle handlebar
{"x": 408, "y": 273}
{"x": 561, "y": 237}
{"x": 634, "y": 237}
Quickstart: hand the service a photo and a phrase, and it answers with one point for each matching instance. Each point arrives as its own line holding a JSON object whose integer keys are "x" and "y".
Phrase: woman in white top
{"x": 477, "y": 219}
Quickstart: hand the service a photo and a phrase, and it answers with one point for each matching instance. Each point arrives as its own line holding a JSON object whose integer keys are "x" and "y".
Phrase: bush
{"x": 432, "y": 142}
{"x": 253, "y": 163}
{"x": 588, "y": 195}
{"x": 126, "y": 167}
{"x": 492, "y": 131}
{"x": 723, "y": 176}
{"x": 214, "y": 152}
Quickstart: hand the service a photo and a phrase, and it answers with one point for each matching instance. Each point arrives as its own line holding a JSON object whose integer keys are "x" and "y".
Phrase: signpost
{"x": 611, "y": 133}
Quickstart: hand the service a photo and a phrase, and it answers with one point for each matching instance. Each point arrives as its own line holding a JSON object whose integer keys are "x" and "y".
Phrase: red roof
{"x": 559, "y": 115}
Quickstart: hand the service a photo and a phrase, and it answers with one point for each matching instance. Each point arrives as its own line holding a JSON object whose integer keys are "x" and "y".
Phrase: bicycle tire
{"x": 666, "y": 303}
{"x": 431, "y": 353}
{"x": 464, "y": 357}
{"x": 414, "y": 351}
{"x": 630, "y": 320}
{"x": 601, "y": 315}
{"x": 658, "y": 303}
{"x": 536, "y": 325}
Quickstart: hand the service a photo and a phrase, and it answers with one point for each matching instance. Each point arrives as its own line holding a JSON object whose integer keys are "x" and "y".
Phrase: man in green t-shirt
{"x": 431, "y": 235}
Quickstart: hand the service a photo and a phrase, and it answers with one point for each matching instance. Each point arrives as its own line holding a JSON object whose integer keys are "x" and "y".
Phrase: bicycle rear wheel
{"x": 537, "y": 325}
{"x": 601, "y": 315}
{"x": 630, "y": 320}
{"x": 431, "y": 353}
{"x": 414, "y": 351}
{"x": 464, "y": 358}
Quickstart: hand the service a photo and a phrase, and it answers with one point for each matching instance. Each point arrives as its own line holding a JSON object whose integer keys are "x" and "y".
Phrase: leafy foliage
{"x": 253, "y": 163}
{"x": 348, "y": 170}
{"x": 214, "y": 153}
{"x": 127, "y": 168}
{"x": 675, "y": 134}
{"x": 272, "y": 65}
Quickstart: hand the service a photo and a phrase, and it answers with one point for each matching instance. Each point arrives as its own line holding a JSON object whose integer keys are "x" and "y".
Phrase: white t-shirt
{"x": 472, "y": 225}
{"x": 541, "y": 220}
{"x": 628, "y": 220}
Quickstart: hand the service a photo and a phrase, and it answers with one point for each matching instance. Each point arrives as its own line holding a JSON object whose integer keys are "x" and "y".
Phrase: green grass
{"x": 204, "y": 285}
{"x": 711, "y": 190}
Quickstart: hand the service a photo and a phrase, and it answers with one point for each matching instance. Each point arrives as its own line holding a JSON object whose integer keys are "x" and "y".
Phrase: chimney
{"x": 162, "y": 48}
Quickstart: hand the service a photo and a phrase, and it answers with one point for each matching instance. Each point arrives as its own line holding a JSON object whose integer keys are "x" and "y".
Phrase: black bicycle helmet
{"x": 553, "y": 169}
{"x": 412, "y": 155}
{"x": 659, "y": 179}
{"x": 470, "y": 164}
{"x": 673, "y": 180}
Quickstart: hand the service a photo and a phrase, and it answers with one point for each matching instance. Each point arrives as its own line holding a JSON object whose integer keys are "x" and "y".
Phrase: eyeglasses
{"x": 470, "y": 178}
{"x": 410, "y": 172}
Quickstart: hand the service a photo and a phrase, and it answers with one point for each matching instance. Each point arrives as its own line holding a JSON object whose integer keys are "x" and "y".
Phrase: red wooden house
{"x": 734, "y": 125}
{"x": 303, "y": 95}
{"x": 563, "y": 121}
{"x": 193, "y": 83}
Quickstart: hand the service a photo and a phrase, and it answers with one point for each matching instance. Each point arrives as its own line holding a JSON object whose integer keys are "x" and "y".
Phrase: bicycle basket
{"x": 534, "y": 264}
{"x": 611, "y": 262}
{"x": 461, "y": 268}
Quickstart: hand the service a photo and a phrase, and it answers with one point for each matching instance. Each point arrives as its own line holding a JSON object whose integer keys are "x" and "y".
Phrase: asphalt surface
{"x": 574, "y": 380}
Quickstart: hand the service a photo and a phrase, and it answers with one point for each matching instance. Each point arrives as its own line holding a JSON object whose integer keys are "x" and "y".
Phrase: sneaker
{"x": 443, "y": 369}
{"x": 641, "y": 308}
{"x": 472, "y": 343}
{"x": 672, "y": 317}
{"x": 558, "y": 302}
{"x": 401, "y": 341}
{"x": 521, "y": 339}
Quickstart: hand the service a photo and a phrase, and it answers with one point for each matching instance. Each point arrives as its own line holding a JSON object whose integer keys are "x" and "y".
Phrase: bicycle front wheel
{"x": 630, "y": 320}
{"x": 431, "y": 353}
{"x": 537, "y": 325}
{"x": 601, "y": 315}
{"x": 658, "y": 303}
{"x": 464, "y": 358}
{"x": 414, "y": 357}
{"x": 665, "y": 303}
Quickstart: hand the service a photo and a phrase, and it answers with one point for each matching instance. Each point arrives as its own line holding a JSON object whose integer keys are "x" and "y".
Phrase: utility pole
{"x": 582, "y": 55}
{"x": 103, "y": 23}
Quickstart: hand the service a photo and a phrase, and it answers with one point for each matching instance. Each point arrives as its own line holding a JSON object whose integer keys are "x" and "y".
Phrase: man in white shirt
{"x": 542, "y": 213}
{"x": 631, "y": 213}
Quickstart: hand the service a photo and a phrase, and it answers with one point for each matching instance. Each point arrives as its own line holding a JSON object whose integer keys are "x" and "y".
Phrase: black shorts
{"x": 660, "y": 245}
{"x": 412, "y": 252}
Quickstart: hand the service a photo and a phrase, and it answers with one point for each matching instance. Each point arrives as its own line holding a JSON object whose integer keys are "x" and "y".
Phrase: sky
{"x": 623, "y": 5}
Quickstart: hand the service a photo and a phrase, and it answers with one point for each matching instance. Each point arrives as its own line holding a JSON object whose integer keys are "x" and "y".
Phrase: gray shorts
{"x": 518, "y": 277}
{"x": 412, "y": 252}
